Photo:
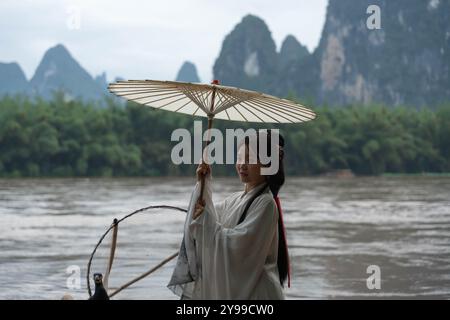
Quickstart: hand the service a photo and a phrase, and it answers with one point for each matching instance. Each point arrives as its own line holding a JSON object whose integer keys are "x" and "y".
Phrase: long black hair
{"x": 275, "y": 182}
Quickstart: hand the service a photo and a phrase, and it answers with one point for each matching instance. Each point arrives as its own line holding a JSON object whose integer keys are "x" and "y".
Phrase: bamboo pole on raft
{"x": 111, "y": 253}
{"x": 142, "y": 276}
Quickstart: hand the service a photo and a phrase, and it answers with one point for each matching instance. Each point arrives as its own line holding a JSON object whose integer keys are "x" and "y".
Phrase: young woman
{"x": 235, "y": 249}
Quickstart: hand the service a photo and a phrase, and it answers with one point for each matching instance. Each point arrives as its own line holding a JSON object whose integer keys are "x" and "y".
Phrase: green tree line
{"x": 60, "y": 138}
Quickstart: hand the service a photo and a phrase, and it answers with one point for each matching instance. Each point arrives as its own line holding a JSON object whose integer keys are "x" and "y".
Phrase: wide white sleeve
{"x": 230, "y": 261}
{"x": 186, "y": 272}
{"x": 188, "y": 265}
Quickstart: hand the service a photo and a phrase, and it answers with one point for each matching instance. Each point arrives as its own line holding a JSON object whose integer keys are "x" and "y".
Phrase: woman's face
{"x": 248, "y": 172}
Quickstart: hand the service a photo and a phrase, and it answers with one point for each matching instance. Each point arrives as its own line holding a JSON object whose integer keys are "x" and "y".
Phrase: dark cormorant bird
{"x": 100, "y": 292}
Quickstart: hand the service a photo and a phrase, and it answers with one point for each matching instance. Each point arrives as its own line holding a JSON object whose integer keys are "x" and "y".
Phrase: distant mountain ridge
{"x": 248, "y": 57}
{"x": 406, "y": 62}
{"x": 57, "y": 71}
{"x": 188, "y": 73}
{"x": 12, "y": 79}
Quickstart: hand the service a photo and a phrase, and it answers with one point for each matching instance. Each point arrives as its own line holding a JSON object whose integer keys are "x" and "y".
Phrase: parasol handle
{"x": 208, "y": 141}
{"x": 202, "y": 181}
{"x": 202, "y": 187}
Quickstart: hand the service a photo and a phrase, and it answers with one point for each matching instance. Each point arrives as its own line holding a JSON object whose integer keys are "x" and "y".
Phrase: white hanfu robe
{"x": 219, "y": 259}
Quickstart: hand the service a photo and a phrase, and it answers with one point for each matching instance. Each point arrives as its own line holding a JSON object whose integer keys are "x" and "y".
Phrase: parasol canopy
{"x": 212, "y": 101}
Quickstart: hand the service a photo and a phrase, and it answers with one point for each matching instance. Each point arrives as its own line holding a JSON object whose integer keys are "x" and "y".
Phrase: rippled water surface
{"x": 336, "y": 228}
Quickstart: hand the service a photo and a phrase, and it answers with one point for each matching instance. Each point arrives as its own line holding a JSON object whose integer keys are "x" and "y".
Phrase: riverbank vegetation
{"x": 61, "y": 138}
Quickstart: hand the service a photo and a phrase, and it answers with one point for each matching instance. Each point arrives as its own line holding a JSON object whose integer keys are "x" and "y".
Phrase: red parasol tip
{"x": 215, "y": 82}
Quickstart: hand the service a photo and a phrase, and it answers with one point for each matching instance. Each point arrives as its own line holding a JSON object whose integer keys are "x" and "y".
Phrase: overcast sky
{"x": 144, "y": 39}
